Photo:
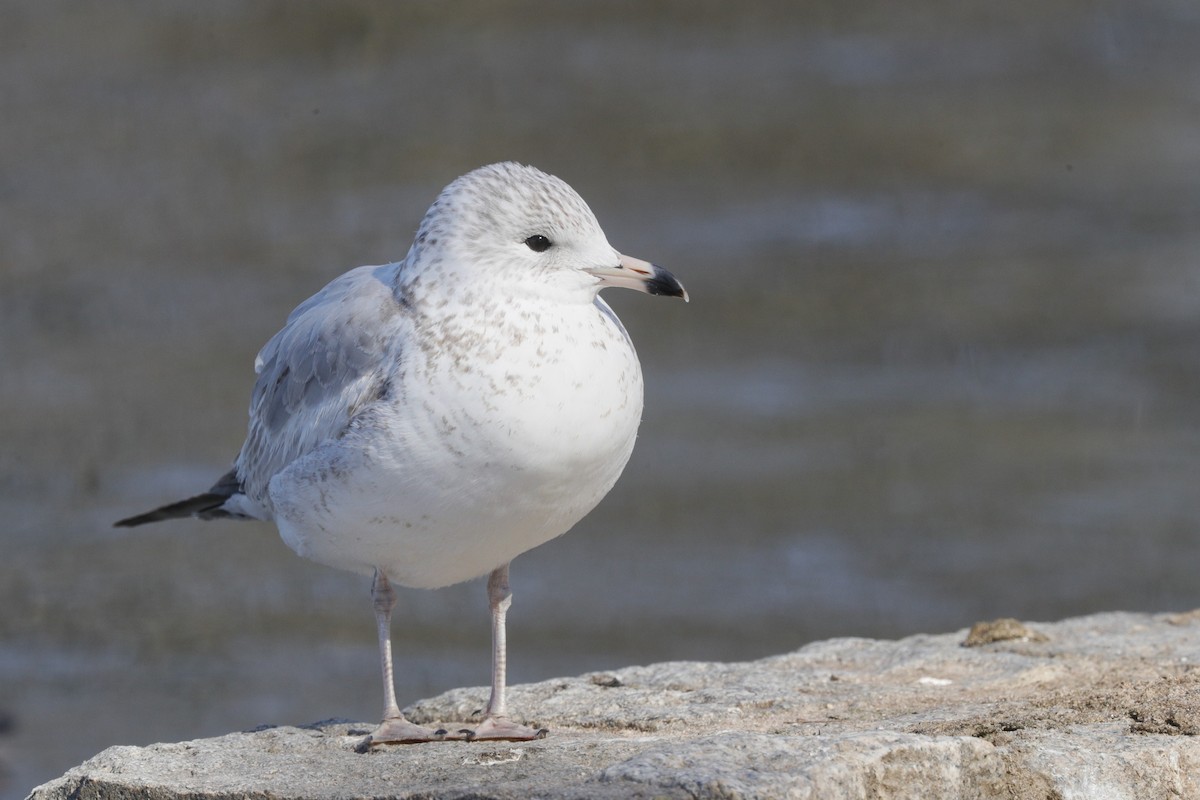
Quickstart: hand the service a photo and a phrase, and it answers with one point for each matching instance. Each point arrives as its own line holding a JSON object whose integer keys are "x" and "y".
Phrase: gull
{"x": 426, "y": 421}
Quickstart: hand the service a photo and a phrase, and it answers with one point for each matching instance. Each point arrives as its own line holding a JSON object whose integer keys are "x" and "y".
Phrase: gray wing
{"x": 334, "y": 354}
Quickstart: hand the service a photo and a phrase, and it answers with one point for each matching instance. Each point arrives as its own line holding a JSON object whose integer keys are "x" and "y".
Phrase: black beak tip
{"x": 664, "y": 283}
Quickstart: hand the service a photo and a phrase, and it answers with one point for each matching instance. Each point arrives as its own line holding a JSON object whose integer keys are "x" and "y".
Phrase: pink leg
{"x": 496, "y": 724}
{"x": 394, "y": 729}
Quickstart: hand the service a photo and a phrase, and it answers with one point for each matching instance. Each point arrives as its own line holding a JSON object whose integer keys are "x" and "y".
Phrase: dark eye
{"x": 538, "y": 243}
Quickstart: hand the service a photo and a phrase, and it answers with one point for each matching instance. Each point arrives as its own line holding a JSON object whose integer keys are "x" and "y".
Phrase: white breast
{"x": 485, "y": 446}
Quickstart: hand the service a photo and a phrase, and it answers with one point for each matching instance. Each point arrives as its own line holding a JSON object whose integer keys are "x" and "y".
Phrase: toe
{"x": 401, "y": 731}
{"x": 502, "y": 728}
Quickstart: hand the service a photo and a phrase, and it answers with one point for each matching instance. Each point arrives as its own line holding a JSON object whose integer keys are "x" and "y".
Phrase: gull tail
{"x": 210, "y": 505}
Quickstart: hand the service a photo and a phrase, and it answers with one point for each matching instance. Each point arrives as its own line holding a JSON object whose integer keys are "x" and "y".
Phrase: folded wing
{"x": 335, "y": 353}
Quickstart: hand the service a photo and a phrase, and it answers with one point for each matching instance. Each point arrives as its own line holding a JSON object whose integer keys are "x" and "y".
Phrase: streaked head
{"x": 529, "y": 231}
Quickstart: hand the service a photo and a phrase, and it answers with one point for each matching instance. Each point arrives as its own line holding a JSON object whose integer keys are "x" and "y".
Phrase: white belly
{"x": 471, "y": 461}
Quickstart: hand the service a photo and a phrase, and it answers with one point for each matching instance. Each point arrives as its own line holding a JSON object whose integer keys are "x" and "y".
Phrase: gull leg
{"x": 496, "y": 724}
{"x": 394, "y": 729}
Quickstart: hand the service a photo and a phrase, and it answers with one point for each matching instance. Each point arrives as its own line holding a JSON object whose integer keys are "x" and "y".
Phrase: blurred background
{"x": 940, "y": 365}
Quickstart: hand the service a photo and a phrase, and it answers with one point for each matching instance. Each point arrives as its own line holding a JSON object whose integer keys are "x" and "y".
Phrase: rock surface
{"x": 1106, "y": 706}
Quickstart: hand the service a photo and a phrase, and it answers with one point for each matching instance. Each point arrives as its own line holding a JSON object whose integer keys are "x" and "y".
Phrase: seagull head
{"x": 516, "y": 228}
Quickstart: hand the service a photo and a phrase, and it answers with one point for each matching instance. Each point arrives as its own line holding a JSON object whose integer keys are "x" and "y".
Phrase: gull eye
{"x": 538, "y": 243}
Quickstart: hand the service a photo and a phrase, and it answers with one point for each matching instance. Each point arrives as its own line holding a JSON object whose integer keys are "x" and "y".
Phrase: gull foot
{"x": 502, "y": 728}
{"x": 398, "y": 730}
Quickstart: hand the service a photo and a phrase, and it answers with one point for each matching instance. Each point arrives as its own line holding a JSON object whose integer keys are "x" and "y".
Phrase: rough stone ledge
{"x": 1105, "y": 706}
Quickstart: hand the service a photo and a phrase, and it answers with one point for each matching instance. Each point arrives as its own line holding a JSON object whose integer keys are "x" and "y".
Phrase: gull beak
{"x": 633, "y": 273}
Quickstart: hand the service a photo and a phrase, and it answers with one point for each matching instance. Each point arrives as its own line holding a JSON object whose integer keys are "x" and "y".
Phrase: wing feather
{"x": 336, "y": 352}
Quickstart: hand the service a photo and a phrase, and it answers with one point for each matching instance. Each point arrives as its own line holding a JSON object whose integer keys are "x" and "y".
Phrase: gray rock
{"x": 1098, "y": 707}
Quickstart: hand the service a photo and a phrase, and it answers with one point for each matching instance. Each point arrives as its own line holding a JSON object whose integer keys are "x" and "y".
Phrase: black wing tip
{"x": 157, "y": 515}
{"x": 204, "y": 506}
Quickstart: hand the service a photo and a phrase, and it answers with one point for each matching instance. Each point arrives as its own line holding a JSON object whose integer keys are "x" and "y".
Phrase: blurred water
{"x": 939, "y": 364}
